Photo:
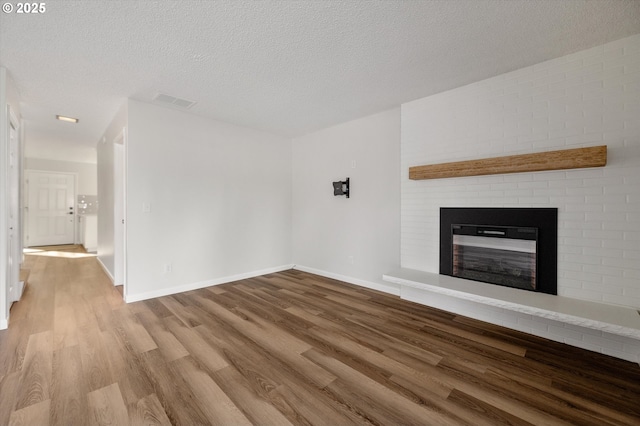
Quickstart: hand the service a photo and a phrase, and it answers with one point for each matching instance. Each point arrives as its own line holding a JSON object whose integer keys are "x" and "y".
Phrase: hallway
{"x": 53, "y": 353}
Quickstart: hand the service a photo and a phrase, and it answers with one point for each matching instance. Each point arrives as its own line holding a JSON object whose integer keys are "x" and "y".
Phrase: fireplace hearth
{"x": 512, "y": 247}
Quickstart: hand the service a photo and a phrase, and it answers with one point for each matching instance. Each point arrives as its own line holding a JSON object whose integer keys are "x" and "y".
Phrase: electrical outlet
{"x": 167, "y": 268}
{"x": 353, "y": 164}
{"x": 351, "y": 260}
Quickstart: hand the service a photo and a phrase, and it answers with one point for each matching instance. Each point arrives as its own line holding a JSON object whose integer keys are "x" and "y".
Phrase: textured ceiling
{"x": 287, "y": 67}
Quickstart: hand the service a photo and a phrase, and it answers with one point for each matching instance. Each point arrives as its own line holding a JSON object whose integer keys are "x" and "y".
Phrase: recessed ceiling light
{"x": 69, "y": 119}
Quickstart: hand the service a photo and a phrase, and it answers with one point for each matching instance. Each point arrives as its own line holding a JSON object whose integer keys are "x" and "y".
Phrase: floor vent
{"x": 164, "y": 99}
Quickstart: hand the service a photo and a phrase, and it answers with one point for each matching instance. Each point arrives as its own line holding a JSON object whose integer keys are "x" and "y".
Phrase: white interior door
{"x": 119, "y": 212}
{"x": 14, "y": 290}
{"x": 50, "y": 208}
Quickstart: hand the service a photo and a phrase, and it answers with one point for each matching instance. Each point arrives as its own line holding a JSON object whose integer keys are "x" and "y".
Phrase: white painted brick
{"x": 630, "y": 285}
{"x": 571, "y": 225}
{"x": 580, "y": 241}
{"x": 584, "y": 190}
{"x": 583, "y": 294}
{"x": 564, "y": 332}
{"x": 603, "y": 342}
{"x": 595, "y": 76}
{"x": 611, "y": 235}
{"x": 603, "y": 252}
{"x": 605, "y": 217}
{"x": 585, "y": 99}
{"x": 521, "y": 327}
{"x": 633, "y": 274}
{"x": 628, "y": 246}
{"x": 584, "y": 345}
{"x": 617, "y": 262}
{"x": 606, "y": 290}
{"x": 633, "y": 292}
{"x": 584, "y": 208}
{"x": 582, "y": 330}
{"x": 622, "y": 355}
{"x": 567, "y": 249}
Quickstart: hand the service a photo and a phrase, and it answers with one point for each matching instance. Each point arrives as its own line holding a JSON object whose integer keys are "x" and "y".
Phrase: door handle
{"x": 70, "y": 212}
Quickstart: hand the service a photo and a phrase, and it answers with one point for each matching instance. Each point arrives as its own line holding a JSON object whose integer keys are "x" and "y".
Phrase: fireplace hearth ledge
{"x": 619, "y": 320}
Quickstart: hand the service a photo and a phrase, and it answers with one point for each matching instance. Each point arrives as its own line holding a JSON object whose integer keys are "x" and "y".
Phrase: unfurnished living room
{"x": 320, "y": 212}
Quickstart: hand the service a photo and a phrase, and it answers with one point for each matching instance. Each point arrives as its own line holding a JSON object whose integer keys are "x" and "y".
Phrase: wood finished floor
{"x": 287, "y": 348}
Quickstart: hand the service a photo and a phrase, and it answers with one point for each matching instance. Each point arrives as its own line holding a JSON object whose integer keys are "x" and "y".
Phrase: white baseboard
{"x": 4, "y": 323}
{"x": 385, "y": 288}
{"x": 129, "y": 298}
{"x": 106, "y": 270}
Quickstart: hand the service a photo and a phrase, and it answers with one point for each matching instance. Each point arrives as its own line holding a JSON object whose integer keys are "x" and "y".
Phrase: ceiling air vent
{"x": 164, "y": 99}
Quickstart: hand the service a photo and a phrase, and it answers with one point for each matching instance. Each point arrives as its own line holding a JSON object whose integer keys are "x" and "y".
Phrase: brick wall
{"x": 587, "y": 98}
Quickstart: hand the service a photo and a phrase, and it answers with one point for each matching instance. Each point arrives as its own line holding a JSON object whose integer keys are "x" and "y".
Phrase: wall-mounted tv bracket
{"x": 341, "y": 188}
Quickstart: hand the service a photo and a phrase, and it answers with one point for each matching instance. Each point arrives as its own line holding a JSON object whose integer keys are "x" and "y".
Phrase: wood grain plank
{"x": 35, "y": 380}
{"x": 370, "y": 397}
{"x": 9, "y": 385}
{"x": 148, "y": 412}
{"x": 257, "y": 409}
{"x": 169, "y": 346}
{"x": 285, "y": 346}
{"x": 176, "y": 397}
{"x": 36, "y": 414}
{"x": 69, "y": 389}
{"x": 180, "y": 311}
{"x": 137, "y": 336}
{"x": 93, "y": 352}
{"x": 64, "y": 327}
{"x": 107, "y": 407}
{"x": 378, "y": 361}
{"x": 125, "y": 367}
{"x": 550, "y": 160}
{"x": 224, "y": 411}
{"x": 197, "y": 347}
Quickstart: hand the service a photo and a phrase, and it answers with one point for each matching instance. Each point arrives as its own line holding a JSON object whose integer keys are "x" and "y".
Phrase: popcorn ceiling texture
{"x": 285, "y": 67}
{"x": 587, "y": 98}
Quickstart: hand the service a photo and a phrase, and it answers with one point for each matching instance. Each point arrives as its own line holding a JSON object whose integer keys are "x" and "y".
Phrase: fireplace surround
{"x": 513, "y": 247}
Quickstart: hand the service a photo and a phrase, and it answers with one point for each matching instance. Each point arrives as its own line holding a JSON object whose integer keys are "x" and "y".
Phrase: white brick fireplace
{"x": 585, "y": 99}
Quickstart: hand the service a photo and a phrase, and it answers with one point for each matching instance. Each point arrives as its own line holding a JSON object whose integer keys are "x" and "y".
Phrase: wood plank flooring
{"x": 286, "y": 348}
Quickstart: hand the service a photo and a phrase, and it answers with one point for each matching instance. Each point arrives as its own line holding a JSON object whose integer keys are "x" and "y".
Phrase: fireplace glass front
{"x": 502, "y": 255}
{"x": 507, "y": 246}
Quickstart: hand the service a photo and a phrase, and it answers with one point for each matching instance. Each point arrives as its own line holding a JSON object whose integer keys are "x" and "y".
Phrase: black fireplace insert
{"x": 513, "y": 247}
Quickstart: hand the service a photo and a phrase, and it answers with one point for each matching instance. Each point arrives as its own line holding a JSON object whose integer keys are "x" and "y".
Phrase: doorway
{"x": 14, "y": 248}
{"x": 119, "y": 210}
{"x": 50, "y": 209}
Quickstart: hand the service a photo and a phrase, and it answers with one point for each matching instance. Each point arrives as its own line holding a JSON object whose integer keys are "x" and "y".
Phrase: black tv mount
{"x": 341, "y": 188}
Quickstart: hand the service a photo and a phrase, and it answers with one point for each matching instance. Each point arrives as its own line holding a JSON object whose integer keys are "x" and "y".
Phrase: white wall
{"x": 8, "y": 96}
{"x": 328, "y": 230}
{"x": 219, "y": 198}
{"x": 87, "y": 172}
{"x": 105, "y": 169}
{"x": 585, "y": 99}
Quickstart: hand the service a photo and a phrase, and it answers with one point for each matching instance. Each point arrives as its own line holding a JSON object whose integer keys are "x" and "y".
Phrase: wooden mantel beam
{"x": 550, "y": 160}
